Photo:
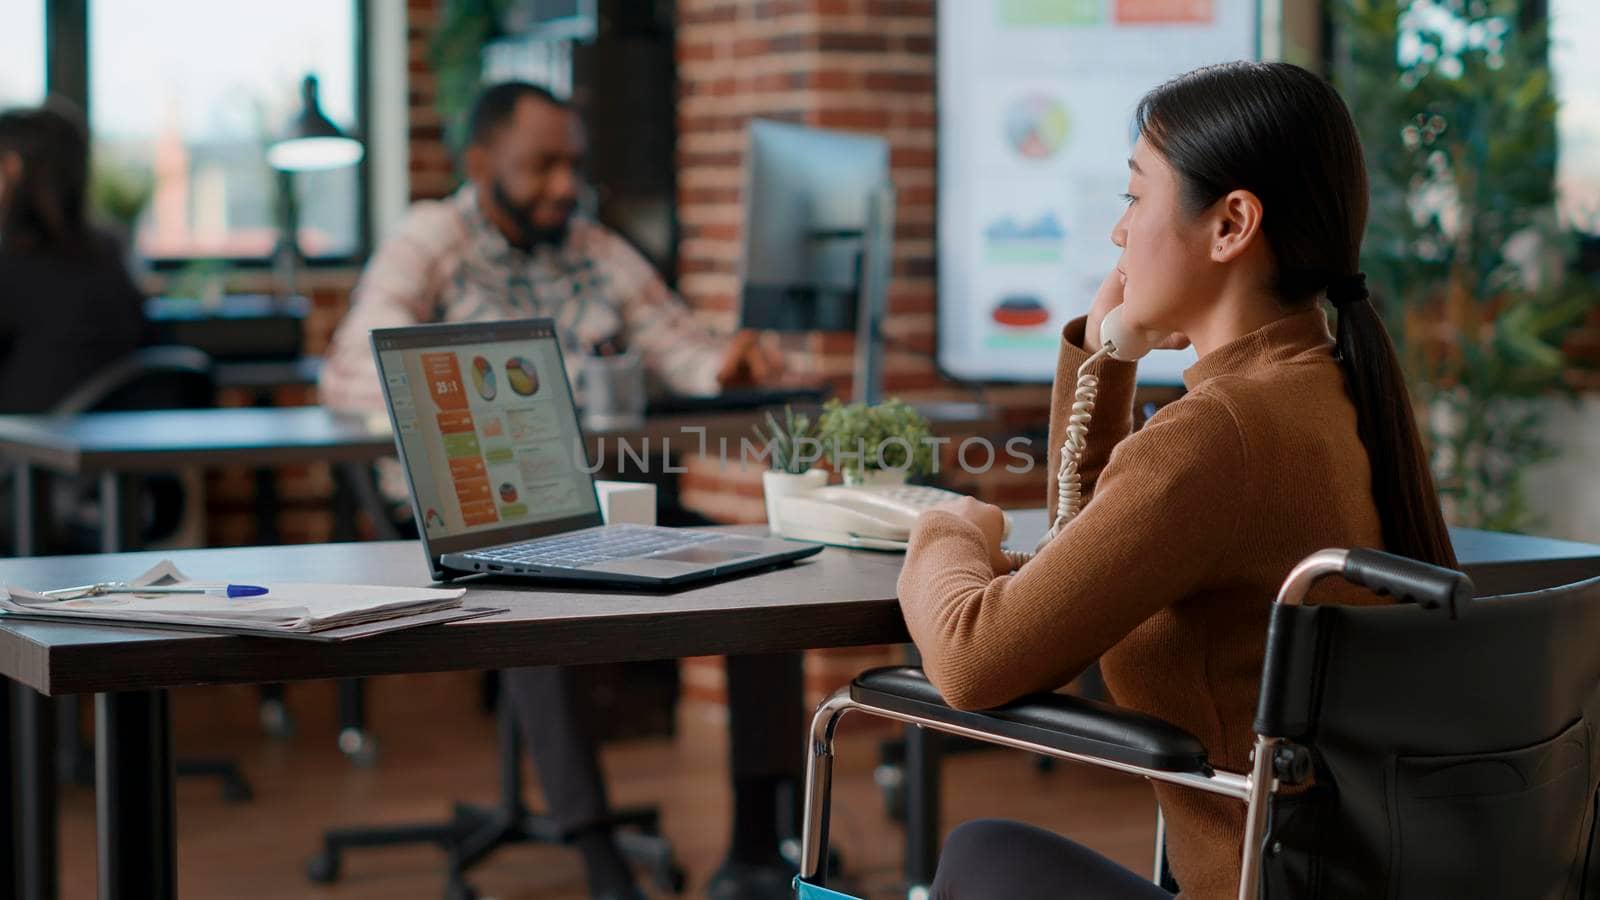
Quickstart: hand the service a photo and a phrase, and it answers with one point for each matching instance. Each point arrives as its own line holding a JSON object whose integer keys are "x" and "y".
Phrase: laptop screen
{"x": 487, "y": 431}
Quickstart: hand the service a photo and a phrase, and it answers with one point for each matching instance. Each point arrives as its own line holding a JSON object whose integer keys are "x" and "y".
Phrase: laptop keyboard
{"x": 588, "y": 547}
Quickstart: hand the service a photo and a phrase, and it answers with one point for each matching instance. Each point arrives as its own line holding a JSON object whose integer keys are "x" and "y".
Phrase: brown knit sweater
{"x": 1167, "y": 574}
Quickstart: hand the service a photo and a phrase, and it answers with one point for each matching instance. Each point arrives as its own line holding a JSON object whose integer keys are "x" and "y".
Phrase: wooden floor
{"x": 437, "y": 747}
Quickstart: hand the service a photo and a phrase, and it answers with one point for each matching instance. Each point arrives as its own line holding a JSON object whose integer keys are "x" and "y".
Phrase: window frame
{"x": 66, "y": 29}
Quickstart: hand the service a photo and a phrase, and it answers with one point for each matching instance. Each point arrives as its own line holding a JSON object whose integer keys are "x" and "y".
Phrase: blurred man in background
{"x": 510, "y": 245}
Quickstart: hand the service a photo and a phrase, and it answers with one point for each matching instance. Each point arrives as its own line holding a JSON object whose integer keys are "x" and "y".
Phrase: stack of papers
{"x": 286, "y": 609}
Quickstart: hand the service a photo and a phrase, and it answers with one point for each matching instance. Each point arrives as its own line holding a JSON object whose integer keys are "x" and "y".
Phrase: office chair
{"x": 147, "y": 378}
{"x": 150, "y": 378}
{"x": 1442, "y": 746}
{"x": 473, "y": 833}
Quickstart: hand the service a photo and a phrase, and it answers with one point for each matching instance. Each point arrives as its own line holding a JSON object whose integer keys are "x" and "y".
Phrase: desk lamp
{"x": 309, "y": 142}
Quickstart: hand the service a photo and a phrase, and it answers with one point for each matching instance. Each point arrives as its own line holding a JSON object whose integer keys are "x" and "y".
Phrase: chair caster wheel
{"x": 276, "y": 720}
{"x": 359, "y": 747}
{"x": 323, "y": 868}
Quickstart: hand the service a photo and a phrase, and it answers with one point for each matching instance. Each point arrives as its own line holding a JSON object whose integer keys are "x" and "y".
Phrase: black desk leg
{"x": 30, "y": 510}
{"x": 267, "y": 507}
{"x": 133, "y": 796}
{"x": 24, "y": 540}
{"x": 10, "y": 849}
{"x": 119, "y": 512}
{"x": 922, "y": 805}
{"x": 35, "y": 801}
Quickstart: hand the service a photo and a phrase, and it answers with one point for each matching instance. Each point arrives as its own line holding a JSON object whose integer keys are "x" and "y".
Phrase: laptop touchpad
{"x": 710, "y": 554}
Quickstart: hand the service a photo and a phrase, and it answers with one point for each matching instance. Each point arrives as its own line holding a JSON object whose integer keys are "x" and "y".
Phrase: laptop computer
{"x": 499, "y": 471}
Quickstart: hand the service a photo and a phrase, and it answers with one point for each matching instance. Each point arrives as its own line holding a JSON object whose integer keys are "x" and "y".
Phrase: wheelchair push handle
{"x": 1408, "y": 580}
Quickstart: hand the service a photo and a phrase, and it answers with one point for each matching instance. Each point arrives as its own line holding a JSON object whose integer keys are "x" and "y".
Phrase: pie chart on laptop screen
{"x": 522, "y": 376}
{"x": 483, "y": 378}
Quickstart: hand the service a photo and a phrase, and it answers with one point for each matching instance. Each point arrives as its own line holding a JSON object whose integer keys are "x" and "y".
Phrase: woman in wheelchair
{"x": 1246, "y": 203}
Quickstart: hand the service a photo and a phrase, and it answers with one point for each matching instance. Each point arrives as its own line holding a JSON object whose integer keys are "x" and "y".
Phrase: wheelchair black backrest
{"x": 1453, "y": 757}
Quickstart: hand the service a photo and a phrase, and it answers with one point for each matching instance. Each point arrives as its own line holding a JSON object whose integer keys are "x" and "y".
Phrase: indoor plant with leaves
{"x": 882, "y": 444}
{"x": 1457, "y": 112}
{"x": 790, "y": 447}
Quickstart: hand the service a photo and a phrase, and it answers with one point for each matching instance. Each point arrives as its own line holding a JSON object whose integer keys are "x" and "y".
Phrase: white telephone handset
{"x": 1127, "y": 343}
{"x": 881, "y": 517}
{"x": 870, "y": 517}
{"x": 1119, "y": 341}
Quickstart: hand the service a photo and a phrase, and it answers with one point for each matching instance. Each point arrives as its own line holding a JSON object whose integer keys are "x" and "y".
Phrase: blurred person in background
{"x": 68, "y": 307}
{"x": 511, "y": 243}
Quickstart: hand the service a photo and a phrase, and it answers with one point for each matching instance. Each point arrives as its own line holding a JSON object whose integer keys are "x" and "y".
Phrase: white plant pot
{"x": 777, "y": 485}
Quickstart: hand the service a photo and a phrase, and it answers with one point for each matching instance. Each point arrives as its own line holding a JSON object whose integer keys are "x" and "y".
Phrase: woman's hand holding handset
{"x": 1104, "y": 326}
{"x": 1105, "y": 321}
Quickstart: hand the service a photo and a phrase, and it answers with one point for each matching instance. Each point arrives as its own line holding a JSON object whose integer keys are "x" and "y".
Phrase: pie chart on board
{"x": 1020, "y": 311}
{"x": 483, "y": 378}
{"x": 522, "y": 376}
{"x": 1036, "y": 126}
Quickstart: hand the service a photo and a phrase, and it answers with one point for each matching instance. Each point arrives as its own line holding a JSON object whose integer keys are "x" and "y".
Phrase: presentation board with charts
{"x": 1036, "y": 102}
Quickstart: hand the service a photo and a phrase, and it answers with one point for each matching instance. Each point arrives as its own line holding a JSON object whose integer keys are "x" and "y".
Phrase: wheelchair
{"x": 1441, "y": 746}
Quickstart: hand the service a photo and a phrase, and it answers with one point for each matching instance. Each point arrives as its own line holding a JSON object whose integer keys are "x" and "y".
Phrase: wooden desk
{"x": 115, "y": 445}
{"x": 838, "y": 598}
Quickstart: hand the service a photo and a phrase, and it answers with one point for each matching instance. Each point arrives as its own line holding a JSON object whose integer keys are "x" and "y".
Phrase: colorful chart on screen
{"x": 1036, "y": 102}
{"x": 1020, "y": 311}
{"x": 522, "y": 376}
{"x": 1037, "y": 126}
{"x": 483, "y": 378}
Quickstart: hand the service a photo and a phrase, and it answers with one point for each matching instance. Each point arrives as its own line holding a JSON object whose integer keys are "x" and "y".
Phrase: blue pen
{"x": 232, "y": 591}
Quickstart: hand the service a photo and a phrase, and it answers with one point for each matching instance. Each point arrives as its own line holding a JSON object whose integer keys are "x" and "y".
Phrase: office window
{"x": 22, "y": 54}
{"x": 187, "y": 94}
{"x": 1575, "y": 57}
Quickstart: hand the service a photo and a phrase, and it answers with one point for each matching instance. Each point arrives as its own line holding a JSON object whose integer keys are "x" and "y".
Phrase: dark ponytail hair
{"x": 46, "y": 208}
{"x": 1285, "y": 135}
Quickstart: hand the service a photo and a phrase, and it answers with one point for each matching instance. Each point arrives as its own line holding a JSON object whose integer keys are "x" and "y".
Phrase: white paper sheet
{"x": 292, "y": 607}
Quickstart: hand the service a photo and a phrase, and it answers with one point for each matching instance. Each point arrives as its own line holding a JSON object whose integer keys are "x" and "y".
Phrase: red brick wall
{"x": 859, "y": 65}
{"x": 432, "y": 172}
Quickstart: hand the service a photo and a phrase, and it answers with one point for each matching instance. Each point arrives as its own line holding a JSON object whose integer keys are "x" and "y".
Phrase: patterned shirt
{"x": 446, "y": 262}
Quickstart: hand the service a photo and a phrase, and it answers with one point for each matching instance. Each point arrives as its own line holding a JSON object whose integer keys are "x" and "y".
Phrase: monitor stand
{"x": 876, "y": 261}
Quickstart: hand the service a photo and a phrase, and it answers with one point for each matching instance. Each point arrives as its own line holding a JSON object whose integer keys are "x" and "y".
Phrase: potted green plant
{"x": 882, "y": 444}
{"x": 1457, "y": 110}
{"x": 791, "y": 447}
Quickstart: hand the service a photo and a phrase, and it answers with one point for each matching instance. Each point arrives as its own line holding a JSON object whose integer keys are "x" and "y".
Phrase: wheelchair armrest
{"x": 1058, "y": 721}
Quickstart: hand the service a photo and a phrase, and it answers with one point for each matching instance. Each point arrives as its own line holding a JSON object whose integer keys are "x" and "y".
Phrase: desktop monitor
{"x": 818, "y": 234}
{"x": 806, "y": 201}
